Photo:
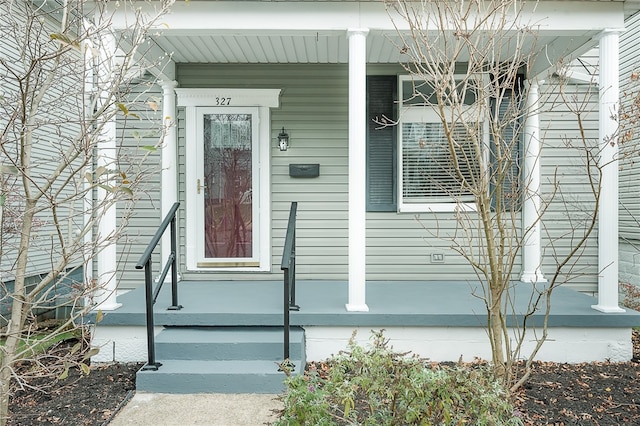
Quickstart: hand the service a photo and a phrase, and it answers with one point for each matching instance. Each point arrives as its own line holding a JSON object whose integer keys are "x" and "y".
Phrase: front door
{"x": 227, "y": 187}
{"x": 228, "y": 177}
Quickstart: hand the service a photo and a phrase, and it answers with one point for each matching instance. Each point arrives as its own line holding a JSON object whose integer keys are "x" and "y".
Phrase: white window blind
{"x": 429, "y": 172}
{"x": 432, "y": 174}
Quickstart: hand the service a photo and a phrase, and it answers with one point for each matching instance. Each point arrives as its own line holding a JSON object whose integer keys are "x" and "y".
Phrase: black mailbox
{"x": 304, "y": 170}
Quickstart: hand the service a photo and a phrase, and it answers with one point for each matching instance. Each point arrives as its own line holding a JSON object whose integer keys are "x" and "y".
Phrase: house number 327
{"x": 223, "y": 101}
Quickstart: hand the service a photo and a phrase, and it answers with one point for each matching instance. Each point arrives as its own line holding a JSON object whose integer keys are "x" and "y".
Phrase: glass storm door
{"x": 225, "y": 190}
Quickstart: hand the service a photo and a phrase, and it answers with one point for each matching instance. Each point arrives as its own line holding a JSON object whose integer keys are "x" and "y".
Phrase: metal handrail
{"x": 150, "y": 294}
{"x": 288, "y": 265}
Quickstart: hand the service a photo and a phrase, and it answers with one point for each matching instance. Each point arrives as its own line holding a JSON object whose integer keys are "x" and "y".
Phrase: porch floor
{"x": 322, "y": 303}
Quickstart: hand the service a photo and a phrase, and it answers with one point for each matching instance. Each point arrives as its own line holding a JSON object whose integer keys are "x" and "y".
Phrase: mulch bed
{"x": 582, "y": 394}
{"x": 597, "y": 393}
{"x": 600, "y": 394}
{"x": 44, "y": 397}
{"x": 77, "y": 400}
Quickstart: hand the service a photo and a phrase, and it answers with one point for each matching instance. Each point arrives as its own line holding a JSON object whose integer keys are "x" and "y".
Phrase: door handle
{"x": 200, "y": 186}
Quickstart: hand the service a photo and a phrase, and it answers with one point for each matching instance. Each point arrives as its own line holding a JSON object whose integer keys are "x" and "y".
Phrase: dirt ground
{"x": 77, "y": 400}
{"x": 584, "y": 394}
{"x": 556, "y": 394}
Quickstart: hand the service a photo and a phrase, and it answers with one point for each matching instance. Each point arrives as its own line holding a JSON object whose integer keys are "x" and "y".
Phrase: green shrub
{"x": 377, "y": 386}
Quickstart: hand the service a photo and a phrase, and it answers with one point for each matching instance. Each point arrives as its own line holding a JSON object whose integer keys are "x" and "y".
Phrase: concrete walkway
{"x": 198, "y": 409}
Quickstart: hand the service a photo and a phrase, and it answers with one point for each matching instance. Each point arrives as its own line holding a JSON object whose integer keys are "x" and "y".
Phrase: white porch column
{"x": 88, "y": 263}
{"x": 169, "y": 153}
{"x": 357, "y": 168}
{"x": 608, "y": 214}
{"x": 105, "y": 296}
{"x": 532, "y": 261}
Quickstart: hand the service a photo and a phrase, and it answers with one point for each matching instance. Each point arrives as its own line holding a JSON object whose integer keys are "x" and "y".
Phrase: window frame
{"x": 425, "y": 113}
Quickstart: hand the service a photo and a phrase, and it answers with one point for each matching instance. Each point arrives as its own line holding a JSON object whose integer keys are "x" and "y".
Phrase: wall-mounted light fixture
{"x": 283, "y": 140}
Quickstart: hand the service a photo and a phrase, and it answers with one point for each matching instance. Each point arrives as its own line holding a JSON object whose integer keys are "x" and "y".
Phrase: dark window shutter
{"x": 381, "y": 144}
{"x": 511, "y": 141}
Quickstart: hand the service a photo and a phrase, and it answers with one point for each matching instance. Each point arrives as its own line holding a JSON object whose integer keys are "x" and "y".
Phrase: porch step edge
{"x": 240, "y": 334}
{"x": 227, "y": 343}
{"x": 181, "y": 377}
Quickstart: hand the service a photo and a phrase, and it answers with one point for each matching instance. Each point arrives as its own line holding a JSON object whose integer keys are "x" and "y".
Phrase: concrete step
{"x": 182, "y": 376}
{"x": 227, "y": 343}
{"x": 221, "y": 360}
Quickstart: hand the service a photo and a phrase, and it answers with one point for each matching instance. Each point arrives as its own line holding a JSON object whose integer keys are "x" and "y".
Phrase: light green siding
{"x": 143, "y": 215}
{"x": 629, "y": 167}
{"x": 314, "y": 111}
{"x": 629, "y": 190}
{"x": 54, "y": 130}
{"x": 564, "y": 181}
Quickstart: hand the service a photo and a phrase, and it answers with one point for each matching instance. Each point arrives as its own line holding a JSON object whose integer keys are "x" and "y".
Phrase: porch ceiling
{"x": 313, "y": 48}
{"x": 283, "y": 32}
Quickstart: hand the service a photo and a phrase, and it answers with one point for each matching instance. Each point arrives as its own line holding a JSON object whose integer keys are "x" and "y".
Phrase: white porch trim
{"x": 357, "y": 169}
{"x": 89, "y": 261}
{"x": 169, "y": 161}
{"x": 532, "y": 262}
{"x": 268, "y": 98}
{"x": 107, "y": 263}
{"x": 608, "y": 214}
{"x": 251, "y": 17}
{"x": 565, "y": 344}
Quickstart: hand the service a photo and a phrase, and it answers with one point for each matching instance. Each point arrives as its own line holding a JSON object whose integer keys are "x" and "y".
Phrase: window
{"x": 432, "y": 175}
{"x": 409, "y": 165}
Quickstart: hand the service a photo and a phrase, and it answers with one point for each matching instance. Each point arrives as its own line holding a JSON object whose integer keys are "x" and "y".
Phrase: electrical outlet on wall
{"x": 437, "y": 257}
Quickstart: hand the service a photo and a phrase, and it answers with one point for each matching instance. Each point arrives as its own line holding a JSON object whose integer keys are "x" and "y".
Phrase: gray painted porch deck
{"x": 322, "y": 303}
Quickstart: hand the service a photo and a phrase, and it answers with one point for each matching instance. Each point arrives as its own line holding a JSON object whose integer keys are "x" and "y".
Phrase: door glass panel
{"x": 227, "y": 186}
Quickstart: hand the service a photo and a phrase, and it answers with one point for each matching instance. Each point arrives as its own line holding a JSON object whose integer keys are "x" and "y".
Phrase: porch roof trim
{"x": 315, "y": 32}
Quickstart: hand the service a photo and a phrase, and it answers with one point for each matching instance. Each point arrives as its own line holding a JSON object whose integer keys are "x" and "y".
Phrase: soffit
{"x": 312, "y": 48}
{"x": 301, "y": 32}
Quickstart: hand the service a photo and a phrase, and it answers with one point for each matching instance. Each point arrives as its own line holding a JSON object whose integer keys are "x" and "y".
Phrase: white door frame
{"x": 263, "y": 99}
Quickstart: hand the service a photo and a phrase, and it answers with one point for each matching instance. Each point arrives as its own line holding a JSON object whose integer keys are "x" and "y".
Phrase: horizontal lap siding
{"x": 629, "y": 167}
{"x": 563, "y": 162}
{"x": 181, "y": 134}
{"x": 399, "y": 246}
{"x": 313, "y": 110}
{"x": 145, "y": 216}
{"x": 54, "y": 130}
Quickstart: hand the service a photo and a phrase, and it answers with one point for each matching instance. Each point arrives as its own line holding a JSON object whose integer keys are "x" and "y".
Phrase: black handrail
{"x": 288, "y": 265}
{"x": 151, "y": 294}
